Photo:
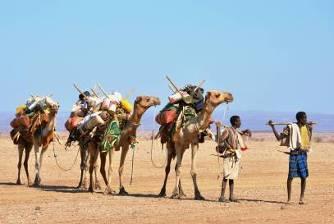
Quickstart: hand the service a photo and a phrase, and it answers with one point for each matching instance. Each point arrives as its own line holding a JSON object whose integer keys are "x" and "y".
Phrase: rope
{"x": 152, "y": 144}
{"x": 132, "y": 164}
{"x": 57, "y": 162}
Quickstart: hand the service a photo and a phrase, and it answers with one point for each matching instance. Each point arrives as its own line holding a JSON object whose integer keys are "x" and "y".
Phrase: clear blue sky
{"x": 272, "y": 55}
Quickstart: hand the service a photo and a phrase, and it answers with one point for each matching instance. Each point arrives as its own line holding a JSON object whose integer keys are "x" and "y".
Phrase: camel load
{"x": 26, "y": 117}
{"x": 92, "y": 111}
{"x": 184, "y": 105}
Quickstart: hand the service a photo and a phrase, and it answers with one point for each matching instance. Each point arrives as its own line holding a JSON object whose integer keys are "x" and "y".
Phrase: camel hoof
{"x": 199, "y": 197}
{"x": 162, "y": 194}
{"x": 222, "y": 199}
{"x": 91, "y": 190}
{"x": 82, "y": 188}
{"x": 182, "y": 194}
{"x": 98, "y": 186}
{"x": 109, "y": 190}
{"x": 35, "y": 184}
{"x": 18, "y": 182}
{"x": 175, "y": 196}
{"x": 123, "y": 192}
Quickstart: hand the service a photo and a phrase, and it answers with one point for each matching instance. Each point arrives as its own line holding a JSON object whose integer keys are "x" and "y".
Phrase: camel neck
{"x": 205, "y": 115}
{"x": 136, "y": 115}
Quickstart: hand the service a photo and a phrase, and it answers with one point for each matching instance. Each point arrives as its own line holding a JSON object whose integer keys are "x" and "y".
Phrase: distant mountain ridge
{"x": 255, "y": 120}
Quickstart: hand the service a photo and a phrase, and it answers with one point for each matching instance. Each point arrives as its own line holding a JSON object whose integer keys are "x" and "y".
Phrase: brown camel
{"x": 24, "y": 142}
{"x": 43, "y": 130}
{"x": 84, "y": 157}
{"x": 188, "y": 135}
{"x": 128, "y": 137}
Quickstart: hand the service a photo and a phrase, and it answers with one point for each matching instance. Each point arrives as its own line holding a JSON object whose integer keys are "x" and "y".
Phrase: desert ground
{"x": 260, "y": 188}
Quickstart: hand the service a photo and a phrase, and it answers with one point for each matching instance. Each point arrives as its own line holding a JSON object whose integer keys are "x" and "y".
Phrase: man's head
{"x": 82, "y": 96}
{"x": 235, "y": 121}
{"x": 301, "y": 117}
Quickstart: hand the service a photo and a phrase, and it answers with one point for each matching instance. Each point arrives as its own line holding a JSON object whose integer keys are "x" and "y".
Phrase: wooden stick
{"x": 177, "y": 89}
{"x": 199, "y": 85}
{"x": 104, "y": 92}
{"x": 287, "y": 123}
{"x": 171, "y": 88}
{"x": 94, "y": 93}
{"x": 78, "y": 89}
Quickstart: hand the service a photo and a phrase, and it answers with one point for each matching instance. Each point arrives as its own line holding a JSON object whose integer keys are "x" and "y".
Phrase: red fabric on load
{"x": 23, "y": 121}
{"x": 72, "y": 123}
{"x": 166, "y": 117}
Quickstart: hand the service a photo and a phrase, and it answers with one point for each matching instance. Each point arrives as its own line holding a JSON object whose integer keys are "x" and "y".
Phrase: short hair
{"x": 82, "y": 95}
{"x": 299, "y": 115}
{"x": 233, "y": 119}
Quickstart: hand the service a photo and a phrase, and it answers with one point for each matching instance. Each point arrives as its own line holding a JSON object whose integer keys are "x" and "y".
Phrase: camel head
{"x": 146, "y": 102}
{"x": 216, "y": 97}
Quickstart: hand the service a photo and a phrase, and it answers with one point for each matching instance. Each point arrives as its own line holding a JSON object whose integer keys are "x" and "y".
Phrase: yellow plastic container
{"x": 20, "y": 109}
{"x": 126, "y": 105}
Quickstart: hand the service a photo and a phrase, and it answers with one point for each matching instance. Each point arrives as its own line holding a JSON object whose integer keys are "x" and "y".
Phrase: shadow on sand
{"x": 71, "y": 189}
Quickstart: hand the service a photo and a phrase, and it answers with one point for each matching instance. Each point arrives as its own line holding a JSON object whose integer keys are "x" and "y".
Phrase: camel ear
{"x": 138, "y": 99}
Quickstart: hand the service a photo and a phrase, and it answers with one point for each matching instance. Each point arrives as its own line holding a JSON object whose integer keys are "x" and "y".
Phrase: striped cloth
{"x": 298, "y": 165}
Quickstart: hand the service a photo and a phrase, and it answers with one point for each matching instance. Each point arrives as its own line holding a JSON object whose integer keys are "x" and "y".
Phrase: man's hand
{"x": 219, "y": 124}
{"x": 270, "y": 123}
{"x": 247, "y": 132}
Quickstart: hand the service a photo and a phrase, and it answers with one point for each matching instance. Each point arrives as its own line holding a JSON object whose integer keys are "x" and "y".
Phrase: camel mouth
{"x": 229, "y": 100}
{"x": 157, "y": 102}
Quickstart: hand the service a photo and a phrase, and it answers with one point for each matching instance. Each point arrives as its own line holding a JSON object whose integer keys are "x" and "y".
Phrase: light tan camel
{"x": 128, "y": 137}
{"x": 43, "y": 130}
{"x": 188, "y": 135}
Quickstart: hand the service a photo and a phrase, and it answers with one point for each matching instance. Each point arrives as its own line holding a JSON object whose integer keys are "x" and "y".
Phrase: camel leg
{"x": 167, "y": 170}
{"x": 108, "y": 189}
{"x": 19, "y": 164}
{"x": 93, "y": 151}
{"x": 41, "y": 155}
{"x": 96, "y": 167}
{"x": 179, "y": 155}
{"x": 86, "y": 171}
{"x": 193, "y": 171}
{"x": 37, "y": 180}
{"x": 26, "y": 161}
{"x": 122, "y": 190}
{"x": 103, "y": 157}
{"x": 182, "y": 194}
{"x": 83, "y": 163}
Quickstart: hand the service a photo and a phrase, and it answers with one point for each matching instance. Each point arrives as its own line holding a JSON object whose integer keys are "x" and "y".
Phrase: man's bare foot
{"x": 288, "y": 202}
{"x": 301, "y": 202}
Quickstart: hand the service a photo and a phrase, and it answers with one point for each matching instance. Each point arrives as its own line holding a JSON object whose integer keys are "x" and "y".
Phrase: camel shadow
{"x": 140, "y": 195}
{"x": 61, "y": 189}
{"x": 261, "y": 201}
{"x": 9, "y": 184}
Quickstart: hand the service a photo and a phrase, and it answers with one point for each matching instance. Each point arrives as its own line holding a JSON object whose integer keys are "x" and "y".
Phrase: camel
{"x": 43, "y": 131}
{"x": 188, "y": 135}
{"x": 24, "y": 143}
{"x": 128, "y": 137}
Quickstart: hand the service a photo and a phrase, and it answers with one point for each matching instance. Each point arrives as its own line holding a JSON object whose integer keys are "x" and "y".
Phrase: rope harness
{"x": 153, "y": 140}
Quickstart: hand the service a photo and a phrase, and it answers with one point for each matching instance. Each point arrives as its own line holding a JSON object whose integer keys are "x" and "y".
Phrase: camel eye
{"x": 147, "y": 100}
{"x": 217, "y": 95}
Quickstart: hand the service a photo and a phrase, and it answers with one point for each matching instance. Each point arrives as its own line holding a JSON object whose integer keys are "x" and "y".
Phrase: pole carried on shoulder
{"x": 287, "y": 123}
